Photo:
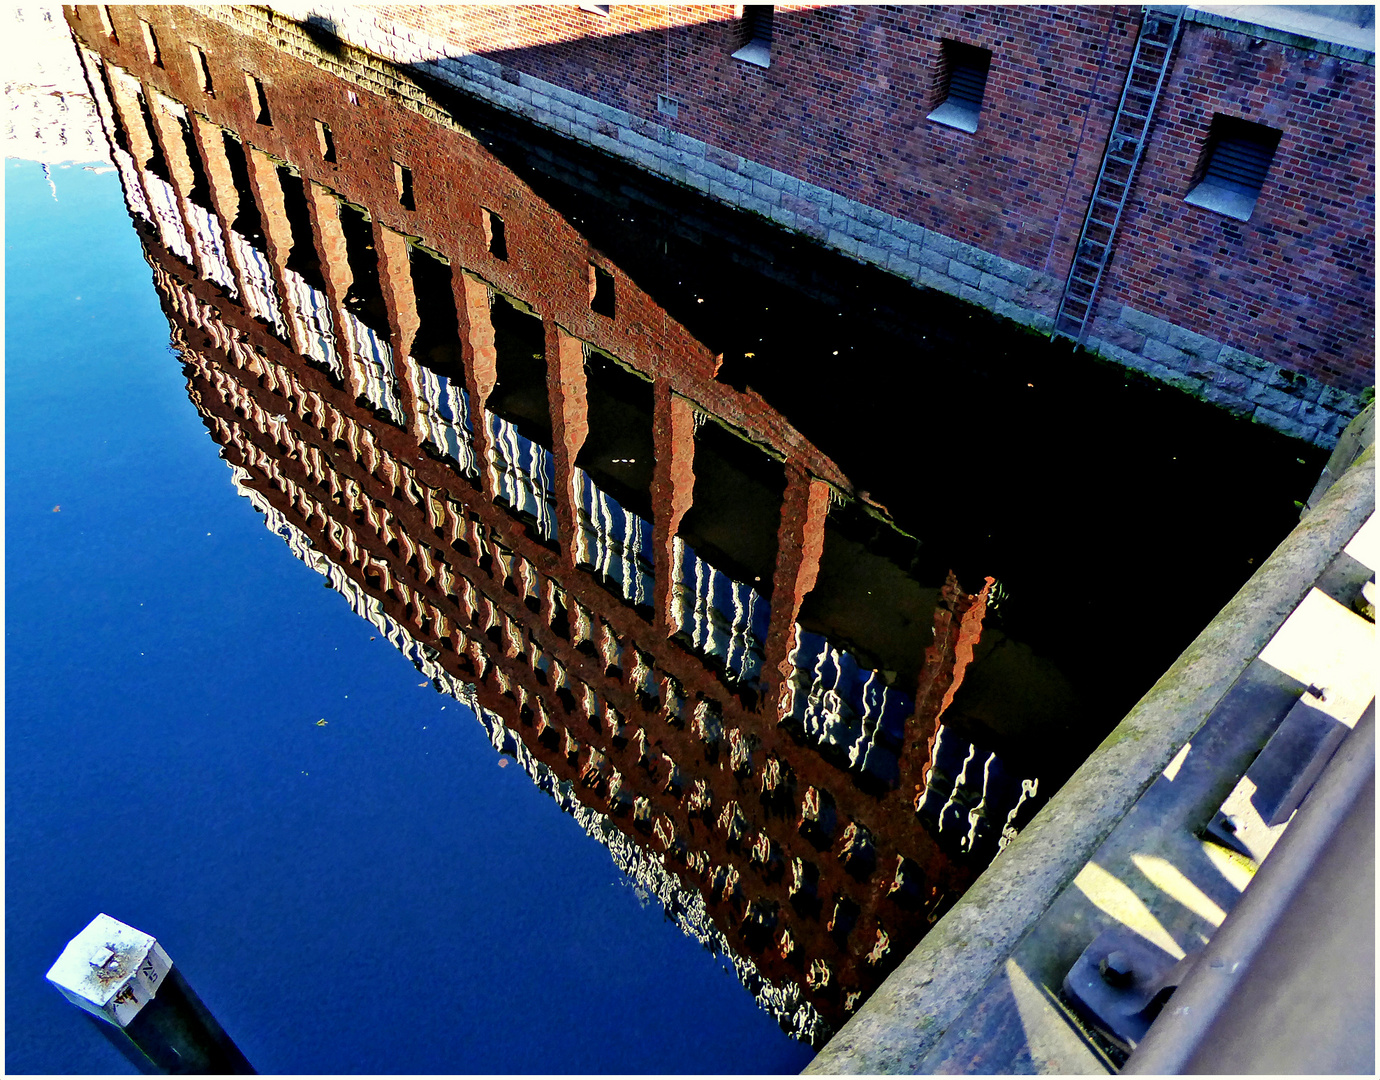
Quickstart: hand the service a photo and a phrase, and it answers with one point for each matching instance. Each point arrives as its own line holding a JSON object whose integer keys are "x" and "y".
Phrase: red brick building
{"x": 850, "y": 125}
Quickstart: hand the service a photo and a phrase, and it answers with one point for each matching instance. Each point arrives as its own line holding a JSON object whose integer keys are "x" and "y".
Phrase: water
{"x": 375, "y": 895}
{"x": 247, "y": 768}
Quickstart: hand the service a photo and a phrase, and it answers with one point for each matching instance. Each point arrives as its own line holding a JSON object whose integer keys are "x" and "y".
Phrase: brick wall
{"x": 1270, "y": 319}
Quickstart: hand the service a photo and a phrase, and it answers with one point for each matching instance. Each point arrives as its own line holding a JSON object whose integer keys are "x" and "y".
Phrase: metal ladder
{"x": 1159, "y": 31}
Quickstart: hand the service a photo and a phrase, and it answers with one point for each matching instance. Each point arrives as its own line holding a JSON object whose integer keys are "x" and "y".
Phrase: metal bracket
{"x": 1120, "y": 983}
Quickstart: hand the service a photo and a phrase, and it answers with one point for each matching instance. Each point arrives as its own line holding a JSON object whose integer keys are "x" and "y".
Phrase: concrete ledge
{"x": 906, "y": 1018}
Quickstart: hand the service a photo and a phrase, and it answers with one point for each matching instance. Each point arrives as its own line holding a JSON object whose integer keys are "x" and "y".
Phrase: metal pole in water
{"x": 123, "y": 976}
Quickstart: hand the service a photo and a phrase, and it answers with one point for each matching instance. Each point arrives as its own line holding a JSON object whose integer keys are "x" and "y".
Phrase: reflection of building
{"x": 494, "y": 442}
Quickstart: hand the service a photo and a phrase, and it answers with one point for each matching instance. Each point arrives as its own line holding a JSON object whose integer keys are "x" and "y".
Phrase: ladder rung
{"x": 1121, "y": 161}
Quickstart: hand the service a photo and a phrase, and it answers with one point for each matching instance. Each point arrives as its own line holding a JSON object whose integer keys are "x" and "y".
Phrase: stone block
{"x": 1228, "y": 400}
{"x": 754, "y": 204}
{"x": 874, "y": 217}
{"x": 861, "y": 231}
{"x": 897, "y": 244}
{"x": 874, "y": 254}
{"x": 782, "y": 216}
{"x": 1245, "y": 363}
{"x": 899, "y": 264}
{"x": 687, "y": 144}
{"x": 971, "y": 294}
{"x": 933, "y": 259}
{"x": 842, "y": 241}
{"x": 942, "y": 244}
{"x": 959, "y": 271}
{"x": 909, "y": 230}
{"x": 1276, "y": 401}
{"x": 766, "y": 193}
{"x": 698, "y": 181}
{"x": 789, "y": 185}
{"x": 998, "y": 286}
{"x": 1164, "y": 353}
{"x": 1195, "y": 345}
{"x": 1296, "y": 384}
{"x": 1339, "y": 400}
{"x": 932, "y": 279}
{"x": 1148, "y": 325}
{"x": 753, "y": 171}
{"x": 1284, "y": 423}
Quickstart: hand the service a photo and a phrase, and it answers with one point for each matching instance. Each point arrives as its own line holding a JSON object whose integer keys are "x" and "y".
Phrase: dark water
{"x": 375, "y": 895}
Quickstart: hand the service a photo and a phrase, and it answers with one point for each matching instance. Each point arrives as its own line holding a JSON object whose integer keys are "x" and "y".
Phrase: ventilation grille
{"x": 1240, "y": 159}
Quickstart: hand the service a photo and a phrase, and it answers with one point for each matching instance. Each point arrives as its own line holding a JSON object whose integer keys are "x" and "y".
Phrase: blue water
{"x": 374, "y": 895}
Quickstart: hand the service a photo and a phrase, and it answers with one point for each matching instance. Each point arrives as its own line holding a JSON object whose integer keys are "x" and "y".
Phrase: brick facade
{"x": 832, "y": 141}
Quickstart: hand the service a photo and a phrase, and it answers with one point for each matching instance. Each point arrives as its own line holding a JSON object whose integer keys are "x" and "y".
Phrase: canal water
{"x": 342, "y": 846}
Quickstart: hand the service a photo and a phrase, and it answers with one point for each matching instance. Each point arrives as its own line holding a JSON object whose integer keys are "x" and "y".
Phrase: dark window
{"x": 402, "y": 176}
{"x": 757, "y": 25}
{"x": 495, "y": 236}
{"x": 151, "y": 44}
{"x": 257, "y": 101}
{"x": 1233, "y": 167}
{"x": 960, "y": 84}
{"x": 203, "y": 70}
{"x": 325, "y": 142}
{"x": 600, "y": 291}
{"x": 595, "y": 9}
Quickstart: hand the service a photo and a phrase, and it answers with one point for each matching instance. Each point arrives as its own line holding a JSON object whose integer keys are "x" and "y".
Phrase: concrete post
{"x": 124, "y": 977}
{"x": 799, "y": 545}
{"x": 673, "y": 487}
{"x": 568, "y": 402}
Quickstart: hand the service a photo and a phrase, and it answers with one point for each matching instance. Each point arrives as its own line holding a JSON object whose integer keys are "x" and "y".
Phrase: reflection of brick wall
{"x": 741, "y": 813}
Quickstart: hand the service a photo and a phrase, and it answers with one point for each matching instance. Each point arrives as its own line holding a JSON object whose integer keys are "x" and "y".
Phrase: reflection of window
{"x": 151, "y": 44}
{"x": 495, "y": 236}
{"x": 325, "y": 142}
{"x": 109, "y": 27}
{"x": 1233, "y": 167}
{"x": 402, "y": 177}
{"x": 757, "y": 19}
{"x": 961, "y": 82}
{"x": 595, "y": 9}
{"x": 203, "y": 70}
{"x": 600, "y": 291}
{"x": 257, "y": 101}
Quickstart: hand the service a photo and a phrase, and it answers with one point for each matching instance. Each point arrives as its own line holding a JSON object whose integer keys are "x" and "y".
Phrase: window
{"x": 109, "y": 27}
{"x": 961, "y": 82}
{"x": 757, "y": 19}
{"x": 257, "y": 101}
{"x": 151, "y": 44}
{"x": 600, "y": 291}
{"x": 668, "y": 106}
{"x": 495, "y": 236}
{"x": 203, "y": 70}
{"x": 1233, "y": 167}
{"x": 402, "y": 176}
{"x": 324, "y": 142}
{"x": 595, "y": 9}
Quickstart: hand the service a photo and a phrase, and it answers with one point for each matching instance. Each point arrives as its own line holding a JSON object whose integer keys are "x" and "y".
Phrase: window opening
{"x": 247, "y": 222}
{"x": 151, "y": 44}
{"x": 667, "y": 106}
{"x": 757, "y": 26}
{"x": 1233, "y": 167}
{"x": 109, "y": 27}
{"x": 961, "y": 84}
{"x": 201, "y": 184}
{"x": 402, "y": 177}
{"x": 325, "y": 142}
{"x": 257, "y": 100}
{"x": 203, "y": 70}
{"x": 596, "y": 9}
{"x": 495, "y": 235}
{"x": 600, "y": 291}
{"x": 302, "y": 259}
